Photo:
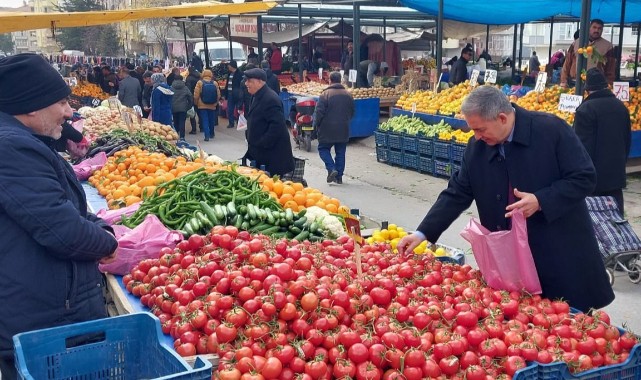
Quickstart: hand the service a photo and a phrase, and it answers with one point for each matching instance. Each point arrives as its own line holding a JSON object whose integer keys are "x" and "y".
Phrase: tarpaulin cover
{"x": 503, "y": 12}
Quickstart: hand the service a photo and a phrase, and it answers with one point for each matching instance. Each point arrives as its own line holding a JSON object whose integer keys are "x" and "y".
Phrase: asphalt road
{"x": 386, "y": 193}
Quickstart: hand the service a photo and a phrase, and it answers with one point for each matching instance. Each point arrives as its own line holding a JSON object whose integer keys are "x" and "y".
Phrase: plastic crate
{"x": 410, "y": 144}
{"x": 381, "y": 154}
{"x": 395, "y": 157}
{"x": 454, "y": 167}
{"x": 380, "y": 138}
{"x": 628, "y": 370}
{"x": 410, "y": 161}
{"x": 442, "y": 149}
{"x": 395, "y": 141}
{"x": 425, "y": 146}
{"x": 442, "y": 168}
{"x": 118, "y": 348}
{"x": 457, "y": 151}
{"x": 456, "y": 256}
{"x": 425, "y": 165}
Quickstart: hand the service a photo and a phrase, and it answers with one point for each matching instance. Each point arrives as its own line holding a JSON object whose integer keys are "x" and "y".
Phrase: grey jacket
{"x": 129, "y": 92}
{"x": 183, "y": 100}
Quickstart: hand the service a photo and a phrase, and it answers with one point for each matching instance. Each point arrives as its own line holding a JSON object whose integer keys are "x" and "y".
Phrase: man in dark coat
{"x": 233, "y": 91}
{"x": 190, "y": 82}
{"x": 51, "y": 244}
{"x": 272, "y": 80}
{"x": 458, "y": 73}
{"x": 334, "y": 111}
{"x": 602, "y": 123}
{"x": 268, "y": 140}
{"x": 534, "y": 162}
{"x": 196, "y": 62}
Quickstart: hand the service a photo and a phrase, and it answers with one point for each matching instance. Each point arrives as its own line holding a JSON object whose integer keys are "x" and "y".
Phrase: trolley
{"x": 619, "y": 245}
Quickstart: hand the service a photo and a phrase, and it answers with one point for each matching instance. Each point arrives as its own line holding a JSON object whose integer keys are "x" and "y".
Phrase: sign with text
{"x": 622, "y": 91}
{"x": 353, "y": 228}
{"x": 541, "y": 80}
{"x": 490, "y": 76}
{"x": 474, "y": 78}
{"x": 569, "y": 103}
{"x": 342, "y": 73}
{"x": 244, "y": 26}
{"x": 320, "y": 73}
{"x": 352, "y": 76}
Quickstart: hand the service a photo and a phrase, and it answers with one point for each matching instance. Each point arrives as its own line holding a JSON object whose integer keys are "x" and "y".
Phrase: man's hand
{"x": 108, "y": 259}
{"x": 528, "y": 204}
{"x": 408, "y": 243}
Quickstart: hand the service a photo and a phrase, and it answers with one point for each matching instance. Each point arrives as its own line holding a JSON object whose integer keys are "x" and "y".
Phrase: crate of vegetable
{"x": 124, "y": 347}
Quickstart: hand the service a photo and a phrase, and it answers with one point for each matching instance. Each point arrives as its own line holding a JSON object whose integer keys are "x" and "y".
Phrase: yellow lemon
{"x": 393, "y": 234}
{"x": 392, "y": 227}
{"x": 440, "y": 251}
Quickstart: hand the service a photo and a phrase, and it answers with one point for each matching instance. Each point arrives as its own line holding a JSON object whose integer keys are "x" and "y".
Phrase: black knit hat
{"x": 28, "y": 83}
{"x": 595, "y": 80}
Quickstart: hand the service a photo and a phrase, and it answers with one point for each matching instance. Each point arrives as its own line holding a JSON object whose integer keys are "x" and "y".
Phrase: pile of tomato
{"x": 279, "y": 309}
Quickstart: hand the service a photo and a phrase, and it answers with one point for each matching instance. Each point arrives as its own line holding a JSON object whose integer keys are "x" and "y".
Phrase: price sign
{"x": 320, "y": 74}
{"x": 569, "y": 103}
{"x": 138, "y": 112}
{"x": 113, "y": 103}
{"x": 622, "y": 91}
{"x": 126, "y": 117}
{"x": 352, "y": 76}
{"x": 541, "y": 79}
{"x": 474, "y": 78}
{"x": 95, "y": 102}
{"x": 490, "y": 76}
{"x": 378, "y": 82}
{"x": 413, "y": 108}
{"x": 342, "y": 73}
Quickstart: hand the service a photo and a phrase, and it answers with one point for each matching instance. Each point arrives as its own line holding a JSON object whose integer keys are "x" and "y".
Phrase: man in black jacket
{"x": 190, "y": 82}
{"x": 458, "y": 74}
{"x": 146, "y": 93}
{"x": 334, "y": 111}
{"x": 268, "y": 139}
{"x": 602, "y": 123}
{"x": 232, "y": 91}
{"x": 272, "y": 80}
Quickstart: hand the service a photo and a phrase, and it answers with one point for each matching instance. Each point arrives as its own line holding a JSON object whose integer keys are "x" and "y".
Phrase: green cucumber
{"x": 251, "y": 210}
{"x": 289, "y": 215}
{"x": 231, "y": 209}
{"x": 300, "y": 223}
{"x": 209, "y": 212}
{"x": 220, "y": 215}
{"x": 302, "y": 236}
{"x": 270, "y": 231}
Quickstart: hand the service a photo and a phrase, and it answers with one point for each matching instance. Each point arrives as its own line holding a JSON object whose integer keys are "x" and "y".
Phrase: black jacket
{"x": 272, "y": 81}
{"x": 268, "y": 139}
{"x": 191, "y": 81}
{"x": 334, "y": 111}
{"x": 183, "y": 99}
{"x": 547, "y": 159}
{"x": 602, "y": 123}
{"x": 458, "y": 74}
{"x": 237, "y": 92}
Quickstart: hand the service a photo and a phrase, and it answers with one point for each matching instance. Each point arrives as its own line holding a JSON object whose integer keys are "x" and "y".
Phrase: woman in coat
{"x": 207, "y": 112}
{"x": 161, "y": 99}
{"x": 182, "y": 102}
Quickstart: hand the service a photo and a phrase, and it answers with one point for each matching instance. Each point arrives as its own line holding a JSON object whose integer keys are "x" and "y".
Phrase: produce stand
{"x": 387, "y": 104}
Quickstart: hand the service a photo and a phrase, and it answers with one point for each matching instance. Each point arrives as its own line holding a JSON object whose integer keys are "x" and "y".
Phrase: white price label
{"x": 138, "y": 110}
{"x": 378, "y": 82}
{"x": 414, "y": 107}
{"x": 569, "y": 103}
{"x": 474, "y": 78}
{"x": 622, "y": 91}
{"x": 113, "y": 103}
{"x": 541, "y": 80}
{"x": 320, "y": 73}
{"x": 342, "y": 73}
{"x": 352, "y": 76}
{"x": 490, "y": 76}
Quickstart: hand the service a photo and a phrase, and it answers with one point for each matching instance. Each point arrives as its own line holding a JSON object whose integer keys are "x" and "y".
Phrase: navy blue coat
{"x": 50, "y": 243}
{"x": 161, "y": 100}
{"x": 547, "y": 159}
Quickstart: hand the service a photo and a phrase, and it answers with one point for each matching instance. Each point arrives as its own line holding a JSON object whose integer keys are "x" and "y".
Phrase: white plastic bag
{"x": 242, "y": 122}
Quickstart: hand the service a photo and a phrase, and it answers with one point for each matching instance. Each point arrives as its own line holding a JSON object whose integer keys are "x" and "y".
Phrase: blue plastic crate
{"x": 454, "y": 167}
{"x": 442, "y": 149}
{"x": 118, "y": 348}
{"x": 442, "y": 168}
{"x": 456, "y": 256}
{"x": 381, "y": 154}
{"x": 410, "y": 144}
{"x": 457, "y": 151}
{"x": 395, "y": 157}
{"x": 380, "y": 138}
{"x": 426, "y": 165}
{"x": 410, "y": 161}
{"x": 425, "y": 146}
{"x": 395, "y": 141}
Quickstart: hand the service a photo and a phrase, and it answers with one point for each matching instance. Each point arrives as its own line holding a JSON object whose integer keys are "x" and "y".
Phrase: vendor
{"x": 369, "y": 69}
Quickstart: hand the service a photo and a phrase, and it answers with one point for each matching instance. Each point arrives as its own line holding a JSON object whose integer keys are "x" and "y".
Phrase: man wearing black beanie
{"x": 51, "y": 245}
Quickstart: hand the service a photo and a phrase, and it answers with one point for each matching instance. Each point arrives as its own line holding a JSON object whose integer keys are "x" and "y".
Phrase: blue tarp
{"x": 504, "y": 12}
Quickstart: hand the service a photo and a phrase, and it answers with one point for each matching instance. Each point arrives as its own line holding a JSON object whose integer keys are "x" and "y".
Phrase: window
{"x": 565, "y": 31}
{"x": 635, "y": 30}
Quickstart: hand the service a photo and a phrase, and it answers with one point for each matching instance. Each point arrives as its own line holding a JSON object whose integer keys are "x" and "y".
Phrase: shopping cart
{"x": 619, "y": 245}
{"x": 296, "y": 176}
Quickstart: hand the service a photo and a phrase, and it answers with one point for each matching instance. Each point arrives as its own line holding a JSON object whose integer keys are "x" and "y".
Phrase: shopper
{"x": 181, "y": 102}
{"x": 252, "y": 57}
{"x": 233, "y": 92}
{"x": 607, "y": 63}
{"x": 485, "y": 55}
{"x": 246, "y": 97}
{"x": 51, "y": 244}
{"x": 146, "y": 93}
{"x": 196, "y": 62}
{"x": 458, "y": 73}
{"x": 206, "y": 95}
{"x": 175, "y": 73}
{"x": 268, "y": 139}
{"x": 533, "y": 162}
{"x": 161, "y": 97}
{"x": 276, "y": 59}
{"x": 190, "y": 82}
{"x": 334, "y": 111}
{"x": 534, "y": 65}
{"x": 272, "y": 80}
{"x": 129, "y": 92}
{"x": 602, "y": 123}
{"x": 109, "y": 83}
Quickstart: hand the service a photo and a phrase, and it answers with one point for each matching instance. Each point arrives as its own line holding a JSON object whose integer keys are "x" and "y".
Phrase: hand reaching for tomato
{"x": 408, "y": 243}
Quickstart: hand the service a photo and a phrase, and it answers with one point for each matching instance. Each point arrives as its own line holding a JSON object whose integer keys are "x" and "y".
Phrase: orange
{"x": 117, "y": 194}
{"x": 320, "y": 204}
{"x": 298, "y": 186}
{"x": 286, "y": 198}
{"x": 300, "y": 198}
{"x": 330, "y": 207}
{"x": 291, "y": 204}
{"x": 309, "y": 202}
{"x": 131, "y": 199}
{"x": 278, "y": 188}
{"x": 287, "y": 189}
{"x": 268, "y": 183}
{"x": 344, "y": 210}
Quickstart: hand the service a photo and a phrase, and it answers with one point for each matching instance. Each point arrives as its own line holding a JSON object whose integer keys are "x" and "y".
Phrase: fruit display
{"x": 274, "y": 308}
{"x": 89, "y": 89}
{"x": 634, "y": 106}
{"x": 546, "y": 101}
{"x": 417, "y": 127}
{"x": 100, "y": 122}
{"x": 295, "y": 196}
{"x": 427, "y": 63}
{"x": 447, "y": 102}
{"x": 315, "y": 89}
{"x": 393, "y": 233}
{"x": 119, "y": 139}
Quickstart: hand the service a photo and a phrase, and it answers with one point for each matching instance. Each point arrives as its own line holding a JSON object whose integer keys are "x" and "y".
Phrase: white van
{"x": 219, "y": 51}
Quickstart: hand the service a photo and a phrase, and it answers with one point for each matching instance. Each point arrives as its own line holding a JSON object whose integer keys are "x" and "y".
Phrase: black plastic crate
{"x": 395, "y": 157}
{"x": 380, "y": 137}
{"x": 425, "y": 146}
{"x": 410, "y": 161}
{"x": 381, "y": 154}
{"x": 394, "y": 141}
{"x": 426, "y": 165}
{"x": 442, "y": 149}
{"x": 410, "y": 144}
{"x": 457, "y": 151}
{"x": 442, "y": 168}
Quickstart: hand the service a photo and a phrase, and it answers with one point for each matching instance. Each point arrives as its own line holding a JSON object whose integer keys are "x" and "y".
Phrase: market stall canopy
{"x": 16, "y": 21}
{"x": 282, "y": 37}
{"x": 459, "y": 30}
{"x": 504, "y": 12}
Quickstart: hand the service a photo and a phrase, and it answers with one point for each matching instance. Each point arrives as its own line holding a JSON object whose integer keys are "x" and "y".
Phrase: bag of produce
{"x": 504, "y": 257}
{"x": 85, "y": 169}
{"x": 143, "y": 242}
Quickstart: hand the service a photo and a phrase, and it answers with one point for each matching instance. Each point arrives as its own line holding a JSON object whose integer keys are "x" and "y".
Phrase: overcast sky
{"x": 11, "y": 3}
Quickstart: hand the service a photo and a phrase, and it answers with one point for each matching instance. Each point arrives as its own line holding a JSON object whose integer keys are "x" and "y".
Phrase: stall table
{"x": 388, "y": 103}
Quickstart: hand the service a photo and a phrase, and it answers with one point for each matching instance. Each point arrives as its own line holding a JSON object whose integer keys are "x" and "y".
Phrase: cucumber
{"x": 261, "y": 227}
{"x": 209, "y": 212}
{"x": 242, "y": 209}
{"x": 239, "y": 221}
{"x": 251, "y": 211}
{"x": 289, "y": 215}
{"x": 220, "y": 215}
{"x": 295, "y": 229}
{"x": 204, "y": 221}
{"x": 244, "y": 226}
{"x": 302, "y": 236}
{"x": 262, "y": 215}
{"x": 270, "y": 217}
{"x": 314, "y": 227}
{"x": 231, "y": 209}
{"x": 271, "y": 230}
{"x": 300, "y": 223}
{"x": 302, "y": 213}
{"x": 188, "y": 231}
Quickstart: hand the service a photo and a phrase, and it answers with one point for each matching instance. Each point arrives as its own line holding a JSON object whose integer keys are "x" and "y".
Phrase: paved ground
{"x": 386, "y": 193}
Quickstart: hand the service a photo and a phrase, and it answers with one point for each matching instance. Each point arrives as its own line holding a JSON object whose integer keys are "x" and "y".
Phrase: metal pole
{"x": 583, "y": 40}
{"x": 342, "y": 37}
{"x": 231, "y": 51}
{"x": 207, "y": 62}
{"x": 621, "y": 28}
{"x": 636, "y": 52}
{"x": 551, "y": 39}
{"x": 356, "y": 36}
{"x": 186, "y": 47}
{"x": 259, "y": 36}
{"x": 300, "y": 43}
{"x": 439, "y": 40}
{"x": 385, "y": 39}
{"x": 521, "y": 46}
{"x": 514, "y": 50}
{"x": 487, "y": 38}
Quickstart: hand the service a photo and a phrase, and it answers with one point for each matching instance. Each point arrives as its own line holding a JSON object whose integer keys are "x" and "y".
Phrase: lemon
{"x": 440, "y": 251}
{"x": 385, "y": 234}
{"x": 402, "y": 234}
{"x": 392, "y": 227}
{"x": 393, "y": 234}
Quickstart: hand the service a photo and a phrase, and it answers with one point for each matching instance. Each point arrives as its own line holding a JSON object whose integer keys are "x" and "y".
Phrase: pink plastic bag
{"x": 78, "y": 150}
{"x": 143, "y": 242}
{"x": 113, "y": 216}
{"x": 85, "y": 169}
{"x": 504, "y": 257}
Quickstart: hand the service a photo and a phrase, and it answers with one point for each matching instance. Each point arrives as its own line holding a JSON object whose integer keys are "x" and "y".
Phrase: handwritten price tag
{"x": 541, "y": 80}
{"x": 352, "y": 76}
{"x": 490, "y": 76}
{"x": 474, "y": 78}
{"x": 413, "y": 108}
{"x": 320, "y": 73}
{"x": 569, "y": 103}
{"x": 342, "y": 73}
{"x": 622, "y": 91}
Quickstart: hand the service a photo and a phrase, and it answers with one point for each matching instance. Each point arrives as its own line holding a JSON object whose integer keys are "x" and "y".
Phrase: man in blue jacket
{"x": 51, "y": 245}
